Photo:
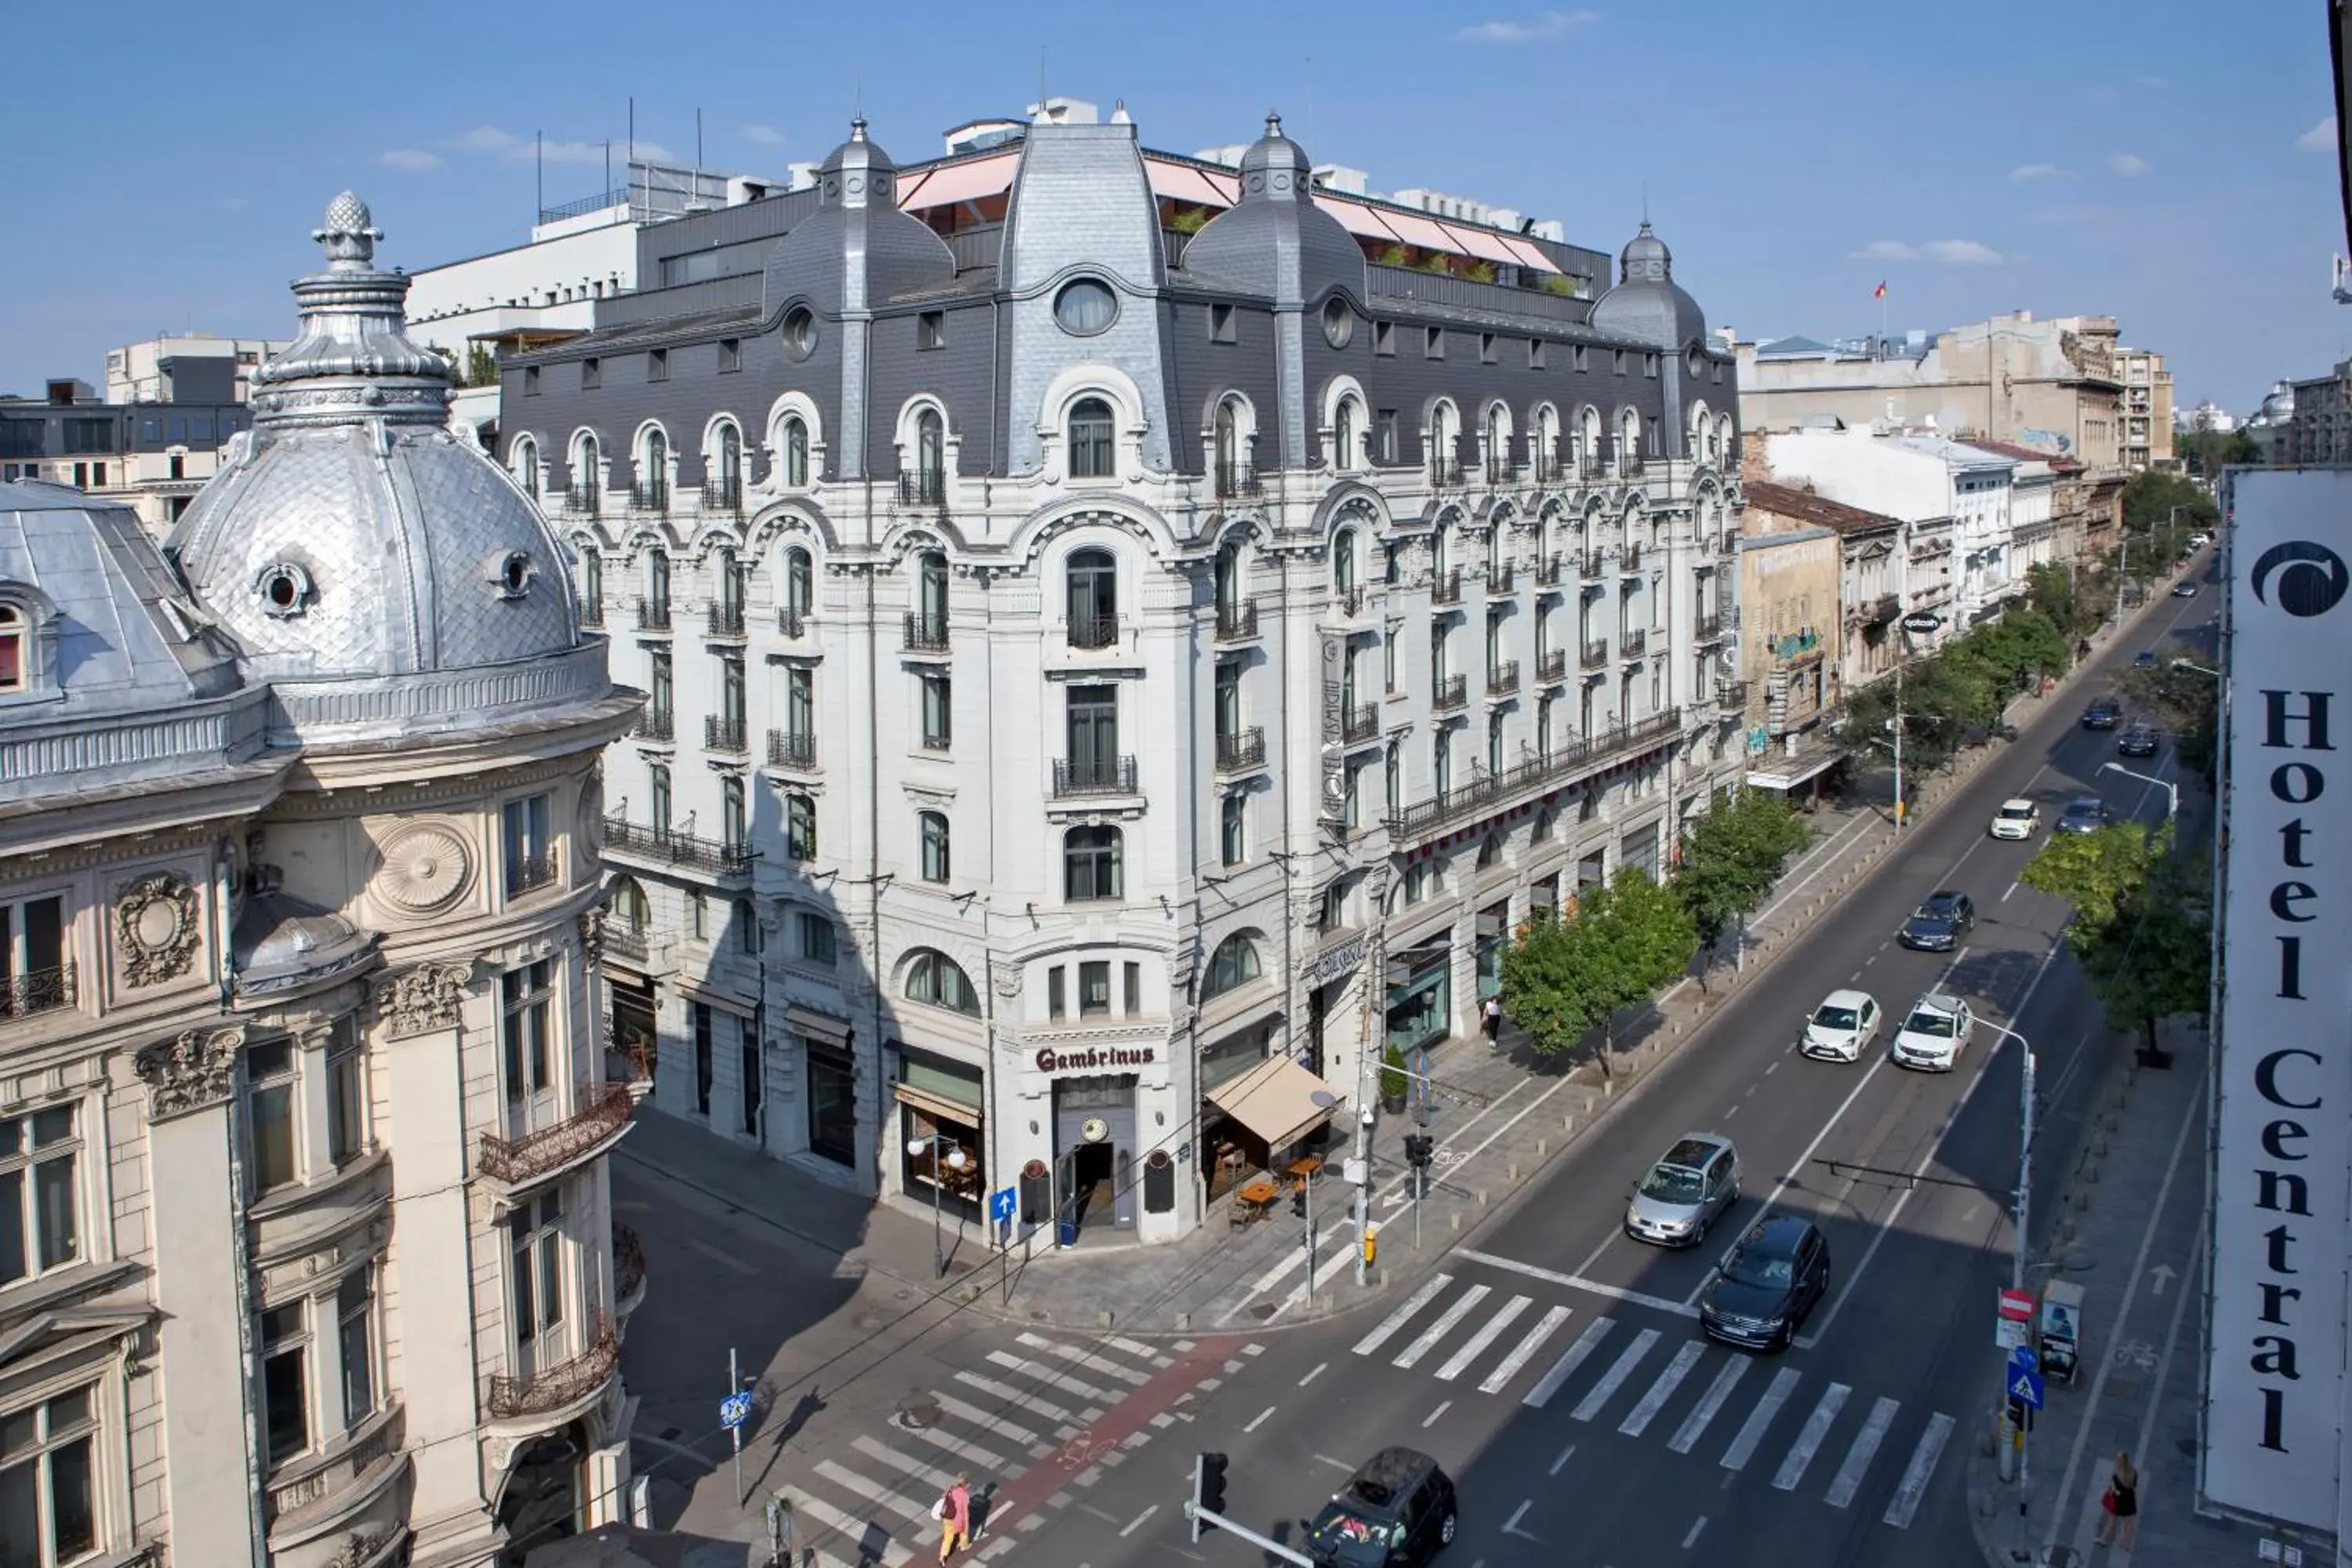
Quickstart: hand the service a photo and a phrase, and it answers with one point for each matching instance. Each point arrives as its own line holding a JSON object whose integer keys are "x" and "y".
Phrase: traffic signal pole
{"x": 1206, "y": 1508}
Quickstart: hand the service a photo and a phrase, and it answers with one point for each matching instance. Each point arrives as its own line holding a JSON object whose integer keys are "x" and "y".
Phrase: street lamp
{"x": 2171, "y": 790}
{"x": 2024, "y": 1188}
{"x": 2186, "y": 664}
{"x": 954, "y": 1160}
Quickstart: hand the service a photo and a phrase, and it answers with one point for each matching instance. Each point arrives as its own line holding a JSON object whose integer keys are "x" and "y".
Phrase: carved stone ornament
{"x": 1008, "y": 980}
{"x": 196, "y": 1070}
{"x": 426, "y": 868}
{"x": 158, "y": 926}
{"x": 592, "y": 934}
{"x": 359, "y": 1548}
{"x": 420, "y": 999}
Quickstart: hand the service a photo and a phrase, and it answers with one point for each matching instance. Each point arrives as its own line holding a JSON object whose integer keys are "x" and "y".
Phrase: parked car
{"x": 2087, "y": 814}
{"x": 2103, "y": 713}
{"x": 1934, "y": 1032}
{"x": 2016, "y": 819}
{"x": 1695, "y": 1180}
{"x": 1397, "y": 1509}
{"x": 2139, "y": 740}
{"x": 2184, "y": 590}
{"x": 2199, "y": 541}
{"x": 2144, "y": 659}
{"x": 1839, "y": 1029}
{"x": 1938, "y": 925}
{"x": 1769, "y": 1286}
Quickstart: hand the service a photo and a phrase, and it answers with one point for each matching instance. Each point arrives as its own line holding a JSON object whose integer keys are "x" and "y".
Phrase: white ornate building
{"x": 306, "y": 1254}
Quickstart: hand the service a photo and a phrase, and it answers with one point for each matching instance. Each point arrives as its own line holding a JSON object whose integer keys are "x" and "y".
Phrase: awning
{"x": 1529, "y": 256}
{"x": 1275, "y": 1100}
{"x": 1483, "y": 242}
{"x": 937, "y": 1105}
{"x": 1184, "y": 183}
{"x": 1794, "y": 771}
{"x": 1357, "y": 218}
{"x": 951, "y": 182}
{"x": 1427, "y": 233}
{"x": 817, "y": 1026}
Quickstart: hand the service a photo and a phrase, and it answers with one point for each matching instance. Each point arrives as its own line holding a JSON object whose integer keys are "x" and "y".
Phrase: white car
{"x": 2199, "y": 541}
{"x": 1935, "y": 1034}
{"x": 1839, "y": 1029}
{"x": 2017, "y": 819}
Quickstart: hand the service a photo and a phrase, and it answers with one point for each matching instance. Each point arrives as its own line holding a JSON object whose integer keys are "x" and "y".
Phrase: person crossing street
{"x": 953, "y": 1511}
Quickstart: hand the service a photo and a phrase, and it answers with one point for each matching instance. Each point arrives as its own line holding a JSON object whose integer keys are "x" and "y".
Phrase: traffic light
{"x": 1420, "y": 1152}
{"x": 1208, "y": 1490}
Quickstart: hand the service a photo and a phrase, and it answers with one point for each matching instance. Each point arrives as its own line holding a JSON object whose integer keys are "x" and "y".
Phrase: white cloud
{"x": 516, "y": 149}
{"x": 2320, "y": 138}
{"x": 765, "y": 135}
{"x": 1886, "y": 251}
{"x": 486, "y": 139}
{"x": 1550, "y": 25}
{"x": 412, "y": 158}
{"x": 1950, "y": 252}
{"x": 2127, "y": 164}
{"x": 2036, "y": 172}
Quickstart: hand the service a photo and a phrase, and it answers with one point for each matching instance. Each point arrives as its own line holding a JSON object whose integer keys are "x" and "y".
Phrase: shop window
{"x": 40, "y": 1192}
{"x": 48, "y": 1489}
{"x": 832, "y": 1104}
{"x": 933, "y": 978}
{"x": 704, "y": 1048}
{"x": 1235, "y": 962}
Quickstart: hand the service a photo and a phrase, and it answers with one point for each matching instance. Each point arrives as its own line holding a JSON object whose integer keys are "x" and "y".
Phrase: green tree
{"x": 481, "y": 365}
{"x": 1544, "y": 983}
{"x": 2138, "y": 925}
{"x": 2184, "y": 702}
{"x": 2097, "y": 873}
{"x": 1732, "y": 855}
{"x": 1628, "y": 939}
{"x": 2050, "y": 592}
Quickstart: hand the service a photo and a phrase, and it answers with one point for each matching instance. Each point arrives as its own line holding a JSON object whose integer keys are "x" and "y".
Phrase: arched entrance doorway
{"x": 546, "y": 1493}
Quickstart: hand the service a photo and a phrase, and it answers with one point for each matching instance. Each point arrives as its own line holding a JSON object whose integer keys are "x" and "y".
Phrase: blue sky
{"x": 2147, "y": 158}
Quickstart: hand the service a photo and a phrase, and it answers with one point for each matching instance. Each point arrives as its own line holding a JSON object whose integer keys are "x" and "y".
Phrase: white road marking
{"x": 1578, "y": 1282}
{"x": 937, "y": 1480}
{"x": 1638, "y": 1419}
{"x": 1443, "y": 1406}
{"x": 1102, "y": 1366}
{"x": 1816, "y": 1427}
{"x": 1524, "y": 1352}
{"x": 1565, "y": 1367}
{"x": 1136, "y": 1522}
{"x": 1053, "y": 1379}
{"x": 855, "y": 1530}
{"x": 1447, "y": 1322}
{"x": 1028, "y": 1402}
{"x": 984, "y": 1419}
{"x": 723, "y": 1259}
{"x": 1259, "y": 1419}
{"x": 1396, "y": 1320}
{"x": 1487, "y": 1334}
{"x": 1730, "y": 1114}
{"x": 1313, "y": 1375}
{"x": 1865, "y": 1450}
{"x": 1743, "y": 1447}
{"x": 1511, "y": 1525}
{"x": 1562, "y": 1463}
{"x": 2012, "y": 887}
{"x": 1694, "y": 1425}
{"x": 1773, "y": 1066}
{"x": 1613, "y": 1380}
{"x": 1697, "y": 1525}
{"x": 1340, "y": 1465}
{"x": 1913, "y": 1485}
{"x": 874, "y": 1492}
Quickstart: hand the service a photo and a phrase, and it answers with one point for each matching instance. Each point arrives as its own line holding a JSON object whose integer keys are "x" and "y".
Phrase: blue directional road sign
{"x": 2025, "y": 1387}
{"x": 735, "y": 1409}
{"x": 2023, "y": 1359}
{"x": 999, "y": 1204}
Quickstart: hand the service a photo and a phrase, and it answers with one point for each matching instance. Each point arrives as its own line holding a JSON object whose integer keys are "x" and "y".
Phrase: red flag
{"x": 1879, "y": 293}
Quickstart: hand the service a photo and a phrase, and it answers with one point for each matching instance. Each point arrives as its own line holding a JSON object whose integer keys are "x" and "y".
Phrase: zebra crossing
{"x": 1624, "y": 1367}
{"x": 1018, "y": 1406}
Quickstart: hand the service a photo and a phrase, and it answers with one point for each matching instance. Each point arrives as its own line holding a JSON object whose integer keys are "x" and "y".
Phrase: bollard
{"x": 1510, "y": 1173}
{"x": 2090, "y": 1172}
{"x": 1453, "y": 1220}
{"x": 1103, "y": 1319}
{"x": 1568, "y": 1124}
{"x": 1543, "y": 1146}
{"x": 1183, "y": 1322}
{"x": 2078, "y": 1199}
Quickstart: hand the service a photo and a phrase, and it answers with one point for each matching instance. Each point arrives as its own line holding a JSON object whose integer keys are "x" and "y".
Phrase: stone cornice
{"x": 191, "y": 1072}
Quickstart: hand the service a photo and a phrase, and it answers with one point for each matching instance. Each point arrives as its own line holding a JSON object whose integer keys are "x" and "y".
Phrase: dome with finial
{"x": 1275, "y": 166}
{"x": 857, "y": 250}
{"x": 383, "y": 574}
{"x": 1647, "y": 305}
{"x": 1276, "y": 240}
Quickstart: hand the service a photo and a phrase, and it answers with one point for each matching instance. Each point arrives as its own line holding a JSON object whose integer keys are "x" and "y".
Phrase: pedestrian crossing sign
{"x": 2026, "y": 1389}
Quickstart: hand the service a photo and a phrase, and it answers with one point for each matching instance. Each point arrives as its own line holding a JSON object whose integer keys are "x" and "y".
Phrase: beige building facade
{"x": 2146, "y": 411}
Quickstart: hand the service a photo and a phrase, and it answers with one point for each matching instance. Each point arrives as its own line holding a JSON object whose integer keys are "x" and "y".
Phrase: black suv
{"x": 1939, "y": 924}
{"x": 2103, "y": 713}
{"x": 1397, "y": 1509}
{"x": 1770, "y": 1285}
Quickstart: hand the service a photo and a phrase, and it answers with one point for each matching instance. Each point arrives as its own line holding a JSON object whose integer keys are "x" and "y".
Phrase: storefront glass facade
{"x": 832, "y": 1103}
{"x": 1421, "y": 995}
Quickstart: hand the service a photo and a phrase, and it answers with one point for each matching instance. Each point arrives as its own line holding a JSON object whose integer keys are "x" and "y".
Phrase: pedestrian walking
{"x": 2119, "y": 1504}
{"x": 1494, "y": 1021}
{"x": 953, "y": 1511}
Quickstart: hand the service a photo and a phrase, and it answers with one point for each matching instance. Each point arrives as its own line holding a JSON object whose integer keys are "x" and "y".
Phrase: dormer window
{"x": 16, "y": 649}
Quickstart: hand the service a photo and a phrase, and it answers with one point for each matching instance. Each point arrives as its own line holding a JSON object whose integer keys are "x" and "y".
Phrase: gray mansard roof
{"x": 1646, "y": 304}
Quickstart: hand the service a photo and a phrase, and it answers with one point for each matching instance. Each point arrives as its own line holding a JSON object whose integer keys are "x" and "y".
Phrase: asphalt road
{"x": 1555, "y": 1366}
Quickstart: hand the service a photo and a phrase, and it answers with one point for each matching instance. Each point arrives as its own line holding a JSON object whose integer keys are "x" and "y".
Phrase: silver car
{"x": 1696, "y": 1180}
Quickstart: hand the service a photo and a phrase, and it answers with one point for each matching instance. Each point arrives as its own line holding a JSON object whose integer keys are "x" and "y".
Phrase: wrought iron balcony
{"x": 1590, "y": 466}
{"x": 791, "y": 622}
{"x": 1633, "y": 643}
{"x": 1593, "y": 566}
{"x": 1093, "y": 632}
{"x": 1237, "y": 622}
{"x": 1501, "y": 577}
{"x": 37, "y": 991}
{"x": 1547, "y": 571}
{"x": 565, "y": 1383}
{"x": 1500, "y": 471}
{"x": 1452, "y": 692}
{"x": 1732, "y": 695}
{"x": 650, "y": 498}
{"x": 622, "y": 836}
{"x": 1502, "y": 677}
{"x": 603, "y": 1109}
{"x": 1242, "y": 750}
{"x": 1498, "y": 792}
{"x": 584, "y": 501}
{"x": 1552, "y": 665}
{"x": 1444, "y": 472}
{"x": 726, "y": 735}
{"x": 1446, "y": 587}
{"x": 1359, "y": 725}
{"x": 1629, "y": 559}
{"x": 1709, "y": 627}
{"x": 1348, "y": 603}
{"x": 652, "y": 615}
{"x": 724, "y": 499}
{"x": 656, "y": 724}
{"x": 725, "y": 621}
{"x": 925, "y": 633}
{"x": 922, "y": 487}
{"x": 526, "y": 873}
{"x": 791, "y": 749}
{"x": 1076, "y": 776}
{"x": 1548, "y": 470}
{"x": 1235, "y": 481}
{"x": 1595, "y": 655}
{"x": 627, "y": 940}
{"x": 591, "y": 612}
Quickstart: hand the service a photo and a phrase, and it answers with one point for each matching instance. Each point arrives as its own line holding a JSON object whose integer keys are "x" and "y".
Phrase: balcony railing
{"x": 656, "y": 724}
{"x": 37, "y": 991}
{"x": 627, "y": 941}
{"x": 1629, "y": 559}
{"x": 1732, "y": 695}
{"x": 925, "y": 633}
{"x": 726, "y": 735}
{"x": 726, "y": 620}
{"x": 1093, "y": 775}
{"x": 1237, "y": 622}
{"x": 1633, "y": 644}
{"x": 1547, "y": 571}
{"x": 626, "y": 837}
{"x": 792, "y": 621}
{"x": 528, "y": 872}
{"x": 591, "y": 612}
{"x": 791, "y": 749}
{"x": 1594, "y": 655}
{"x": 1496, "y": 791}
{"x": 1499, "y": 472}
{"x": 1241, "y": 750}
{"x": 565, "y": 1383}
{"x": 1094, "y": 632}
{"x": 650, "y": 498}
{"x": 603, "y": 1109}
{"x": 1548, "y": 470}
{"x": 1593, "y": 566}
{"x": 1709, "y": 627}
{"x": 1452, "y": 692}
{"x": 922, "y": 487}
{"x": 1444, "y": 472}
{"x": 1235, "y": 482}
{"x": 1348, "y": 603}
{"x": 1552, "y": 665}
{"x": 584, "y": 501}
{"x": 1446, "y": 587}
{"x": 1590, "y": 466}
{"x": 1502, "y": 677}
{"x": 652, "y": 615}
{"x": 1501, "y": 577}
{"x": 1359, "y": 725}
{"x": 725, "y": 498}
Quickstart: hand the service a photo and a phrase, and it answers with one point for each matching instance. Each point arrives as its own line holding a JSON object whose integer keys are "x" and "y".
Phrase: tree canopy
{"x": 1625, "y": 941}
{"x": 2184, "y": 701}
{"x": 2140, "y": 923}
{"x": 1732, "y": 854}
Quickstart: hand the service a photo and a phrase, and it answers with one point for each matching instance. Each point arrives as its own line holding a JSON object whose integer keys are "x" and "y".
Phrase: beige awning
{"x": 817, "y": 1026}
{"x": 1277, "y": 1101}
{"x": 937, "y": 1105}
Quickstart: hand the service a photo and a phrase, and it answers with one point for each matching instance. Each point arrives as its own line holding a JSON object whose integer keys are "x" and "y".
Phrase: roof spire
{"x": 1272, "y": 123}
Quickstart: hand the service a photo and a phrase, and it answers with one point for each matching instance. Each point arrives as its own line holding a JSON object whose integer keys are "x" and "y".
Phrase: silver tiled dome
{"x": 1647, "y": 304}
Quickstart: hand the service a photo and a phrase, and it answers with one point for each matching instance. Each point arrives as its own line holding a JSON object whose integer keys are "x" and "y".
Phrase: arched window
{"x": 630, "y": 906}
{"x": 1588, "y": 441}
{"x": 933, "y": 832}
{"x": 1227, "y": 573}
{"x": 1228, "y": 439}
{"x": 1498, "y": 444}
{"x": 1440, "y": 550}
{"x": 591, "y": 586}
{"x": 1344, "y": 571}
{"x": 1345, "y": 434}
{"x": 800, "y": 827}
{"x": 745, "y": 918}
{"x": 1236, "y": 962}
{"x": 587, "y": 475}
{"x": 1091, "y": 440}
{"x": 734, "y": 827}
{"x": 1091, "y": 867}
{"x": 933, "y": 978}
{"x": 1093, "y": 598}
{"x": 796, "y": 444}
{"x": 653, "y": 471}
{"x": 930, "y": 455}
{"x": 722, "y": 486}
{"x": 1490, "y": 851}
{"x": 526, "y": 466}
{"x": 654, "y": 614}
{"x": 1629, "y": 436}
{"x": 1445, "y": 458}
{"x": 800, "y": 580}
{"x": 1546, "y": 441}
{"x": 932, "y": 597}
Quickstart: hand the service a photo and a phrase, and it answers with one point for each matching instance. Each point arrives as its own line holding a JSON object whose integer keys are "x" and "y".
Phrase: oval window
{"x": 1086, "y": 306}
{"x": 1339, "y": 322}
{"x": 799, "y": 331}
{"x": 1697, "y": 364}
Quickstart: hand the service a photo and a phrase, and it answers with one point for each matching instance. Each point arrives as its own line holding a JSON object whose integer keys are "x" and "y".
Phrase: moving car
{"x": 1769, "y": 1286}
{"x": 2103, "y": 713}
{"x": 1695, "y": 1180}
{"x": 1841, "y": 1027}
{"x": 2087, "y": 814}
{"x": 2184, "y": 590}
{"x": 1938, "y": 925}
{"x": 1397, "y": 1509}
{"x": 2016, "y": 819}
{"x": 2139, "y": 740}
{"x": 1935, "y": 1034}
{"x": 2199, "y": 541}
{"x": 2144, "y": 659}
